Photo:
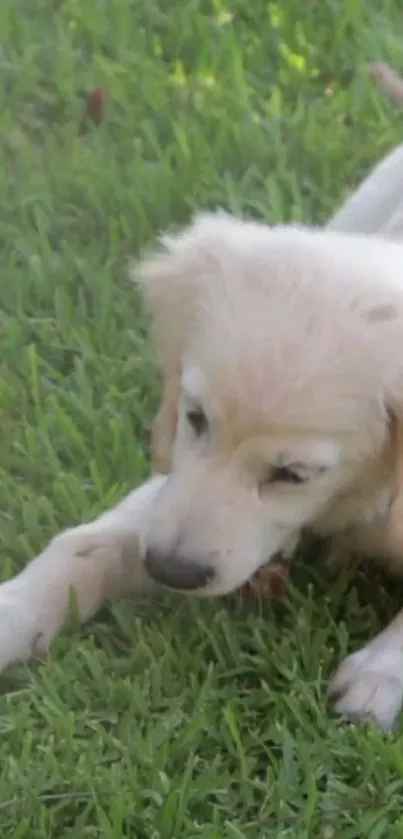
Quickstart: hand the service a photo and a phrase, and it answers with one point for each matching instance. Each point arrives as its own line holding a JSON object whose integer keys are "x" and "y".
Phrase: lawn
{"x": 172, "y": 720}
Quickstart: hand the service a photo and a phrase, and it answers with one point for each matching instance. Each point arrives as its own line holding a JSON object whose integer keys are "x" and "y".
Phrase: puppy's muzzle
{"x": 177, "y": 573}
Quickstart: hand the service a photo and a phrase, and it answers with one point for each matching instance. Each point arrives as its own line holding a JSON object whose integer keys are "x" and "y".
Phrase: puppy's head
{"x": 276, "y": 347}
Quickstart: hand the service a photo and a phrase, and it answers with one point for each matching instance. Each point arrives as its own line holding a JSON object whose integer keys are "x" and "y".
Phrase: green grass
{"x": 169, "y": 721}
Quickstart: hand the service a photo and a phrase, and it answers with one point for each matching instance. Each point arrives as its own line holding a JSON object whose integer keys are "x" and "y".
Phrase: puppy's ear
{"x": 395, "y": 410}
{"x": 174, "y": 281}
{"x": 176, "y": 278}
{"x": 166, "y": 294}
{"x": 163, "y": 282}
{"x": 389, "y": 343}
{"x": 395, "y": 533}
{"x": 164, "y": 428}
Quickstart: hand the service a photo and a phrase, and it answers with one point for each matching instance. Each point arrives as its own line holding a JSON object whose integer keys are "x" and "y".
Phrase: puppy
{"x": 281, "y": 351}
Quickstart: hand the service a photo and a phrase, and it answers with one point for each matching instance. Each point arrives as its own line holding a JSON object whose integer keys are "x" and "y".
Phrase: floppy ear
{"x": 164, "y": 427}
{"x": 390, "y": 347}
{"x": 395, "y": 525}
{"x": 165, "y": 293}
{"x": 173, "y": 280}
{"x": 163, "y": 282}
{"x": 395, "y": 528}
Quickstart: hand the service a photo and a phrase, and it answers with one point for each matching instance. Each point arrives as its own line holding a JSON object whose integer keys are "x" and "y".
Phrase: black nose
{"x": 177, "y": 573}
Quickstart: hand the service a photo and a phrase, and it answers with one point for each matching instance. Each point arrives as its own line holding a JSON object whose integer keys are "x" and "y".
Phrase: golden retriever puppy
{"x": 281, "y": 350}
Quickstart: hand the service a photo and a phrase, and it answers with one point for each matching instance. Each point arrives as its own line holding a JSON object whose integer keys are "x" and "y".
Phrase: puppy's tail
{"x": 377, "y": 205}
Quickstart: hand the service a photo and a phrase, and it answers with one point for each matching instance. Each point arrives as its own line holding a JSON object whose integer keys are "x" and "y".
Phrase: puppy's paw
{"x": 21, "y": 634}
{"x": 369, "y": 685}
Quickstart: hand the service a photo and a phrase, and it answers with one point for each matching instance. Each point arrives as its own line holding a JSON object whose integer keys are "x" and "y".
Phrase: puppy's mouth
{"x": 270, "y": 580}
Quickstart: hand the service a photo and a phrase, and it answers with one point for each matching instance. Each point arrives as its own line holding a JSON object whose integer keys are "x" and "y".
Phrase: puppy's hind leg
{"x": 94, "y": 562}
{"x": 377, "y": 205}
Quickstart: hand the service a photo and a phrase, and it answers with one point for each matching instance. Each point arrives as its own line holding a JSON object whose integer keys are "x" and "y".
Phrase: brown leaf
{"x": 388, "y": 79}
{"x": 93, "y": 110}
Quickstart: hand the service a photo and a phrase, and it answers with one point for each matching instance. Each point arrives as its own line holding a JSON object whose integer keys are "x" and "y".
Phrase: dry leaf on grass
{"x": 388, "y": 79}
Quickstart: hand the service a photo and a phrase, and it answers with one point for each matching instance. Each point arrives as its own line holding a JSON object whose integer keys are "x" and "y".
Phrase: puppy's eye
{"x": 287, "y": 475}
{"x": 197, "y": 420}
{"x": 284, "y": 475}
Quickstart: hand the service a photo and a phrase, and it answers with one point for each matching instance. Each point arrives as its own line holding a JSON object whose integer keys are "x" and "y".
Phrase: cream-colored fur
{"x": 286, "y": 344}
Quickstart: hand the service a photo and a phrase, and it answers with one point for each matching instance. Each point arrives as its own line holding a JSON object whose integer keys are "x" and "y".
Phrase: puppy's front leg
{"x": 95, "y": 561}
{"x": 369, "y": 683}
